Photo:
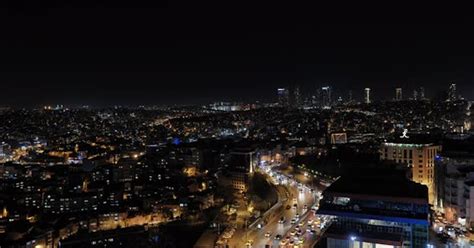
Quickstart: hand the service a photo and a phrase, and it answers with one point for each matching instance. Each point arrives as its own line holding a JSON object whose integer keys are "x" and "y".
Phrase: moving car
{"x": 281, "y": 220}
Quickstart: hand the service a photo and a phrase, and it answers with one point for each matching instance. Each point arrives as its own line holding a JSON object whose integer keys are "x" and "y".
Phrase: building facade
{"x": 419, "y": 157}
{"x": 377, "y": 209}
{"x": 455, "y": 187}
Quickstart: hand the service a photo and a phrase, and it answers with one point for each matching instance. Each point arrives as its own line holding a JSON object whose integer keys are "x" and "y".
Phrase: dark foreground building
{"x": 376, "y": 208}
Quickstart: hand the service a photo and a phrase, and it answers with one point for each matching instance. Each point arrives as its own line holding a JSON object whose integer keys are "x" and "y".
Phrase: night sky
{"x": 165, "y": 53}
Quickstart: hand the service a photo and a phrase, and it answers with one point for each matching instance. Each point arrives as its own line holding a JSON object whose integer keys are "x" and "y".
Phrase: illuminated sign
{"x": 404, "y": 134}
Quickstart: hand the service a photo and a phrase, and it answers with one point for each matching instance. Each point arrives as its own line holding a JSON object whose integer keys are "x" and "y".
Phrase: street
{"x": 295, "y": 231}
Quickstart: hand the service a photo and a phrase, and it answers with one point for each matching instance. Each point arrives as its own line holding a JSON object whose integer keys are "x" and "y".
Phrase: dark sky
{"x": 114, "y": 53}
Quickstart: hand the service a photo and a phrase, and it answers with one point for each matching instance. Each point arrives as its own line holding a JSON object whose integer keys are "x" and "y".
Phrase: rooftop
{"x": 412, "y": 138}
{"x": 378, "y": 183}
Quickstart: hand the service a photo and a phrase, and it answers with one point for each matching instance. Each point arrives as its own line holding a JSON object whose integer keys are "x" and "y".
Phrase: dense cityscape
{"x": 233, "y": 124}
{"x": 306, "y": 170}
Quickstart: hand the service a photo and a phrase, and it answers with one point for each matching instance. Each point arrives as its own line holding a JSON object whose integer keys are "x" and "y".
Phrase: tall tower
{"x": 367, "y": 95}
{"x": 326, "y": 96}
{"x": 283, "y": 97}
{"x": 398, "y": 94}
{"x": 415, "y": 95}
{"x": 452, "y": 92}
{"x": 422, "y": 93}
{"x": 297, "y": 95}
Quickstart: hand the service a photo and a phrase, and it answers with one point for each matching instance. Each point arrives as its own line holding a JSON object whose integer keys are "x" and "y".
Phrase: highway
{"x": 298, "y": 193}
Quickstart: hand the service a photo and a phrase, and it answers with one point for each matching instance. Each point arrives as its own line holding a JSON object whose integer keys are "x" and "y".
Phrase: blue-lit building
{"x": 376, "y": 208}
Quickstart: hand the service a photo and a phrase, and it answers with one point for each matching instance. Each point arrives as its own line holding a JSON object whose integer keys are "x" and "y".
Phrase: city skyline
{"x": 232, "y": 125}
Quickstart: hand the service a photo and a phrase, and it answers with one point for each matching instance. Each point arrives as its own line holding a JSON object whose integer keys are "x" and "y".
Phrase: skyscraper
{"x": 452, "y": 92}
{"x": 398, "y": 94}
{"x": 298, "y": 98}
{"x": 415, "y": 95}
{"x": 283, "y": 97}
{"x": 367, "y": 96}
{"x": 422, "y": 93}
{"x": 326, "y": 97}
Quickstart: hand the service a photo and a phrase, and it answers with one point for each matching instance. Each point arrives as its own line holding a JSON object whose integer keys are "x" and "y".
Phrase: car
{"x": 281, "y": 220}
{"x": 295, "y": 206}
{"x": 297, "y": 216}
{"x": 301, "y": 240}
{"x": 277, "y": 237}
{"x": 268, "y": 234}
{"x": 293, "y": 221}
{"x": 283, "y": 242}
{"x": 310, "y": 221}
{"x": 305, "y": 206}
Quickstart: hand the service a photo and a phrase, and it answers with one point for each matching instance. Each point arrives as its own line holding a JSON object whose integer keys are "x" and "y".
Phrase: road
{"x": 297, "y": 192}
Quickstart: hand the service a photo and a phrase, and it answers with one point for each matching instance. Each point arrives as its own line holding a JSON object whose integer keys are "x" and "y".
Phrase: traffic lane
{"x": 273, "y": 226}
{"x": 304, "y": 216}
{"x": 304, "y": 198}
{"x": 309, "y": 238}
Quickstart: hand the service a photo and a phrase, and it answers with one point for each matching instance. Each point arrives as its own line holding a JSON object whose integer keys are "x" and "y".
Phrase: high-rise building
{"x": 367, "y": 95}
{"x": 298, "y": 99}
{"x": 317, "y": 97}
{"x": 326, "y": 97}
{"x": 398, "y": 94}
{"x": 415, "y": 94}
{"x": 452, "y": 92}
{"x": 422, "y": 93}
{"x": 417, "y": 153}
{"x": 241, "y": 167}
{"x": 375, "y": 208}
{"x": 283, "y": 97}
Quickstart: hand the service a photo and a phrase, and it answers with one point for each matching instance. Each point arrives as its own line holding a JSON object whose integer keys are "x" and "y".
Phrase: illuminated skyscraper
{"x": 398, "y": 94}
{"x": 367, "y": 96}
{"x": 452, "y": 92}
{"x": 326, "y": 97}
{"x": 422, "y": 93}
{"x": 283, "y": 97}
{"x": 298, "y": 98}
{"x": 415, "y": 95}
